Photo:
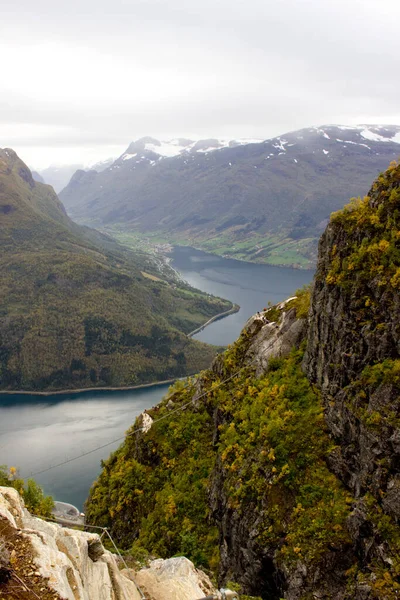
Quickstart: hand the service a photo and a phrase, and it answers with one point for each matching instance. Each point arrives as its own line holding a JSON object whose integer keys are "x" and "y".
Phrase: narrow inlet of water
{"x": 37, "y": 432}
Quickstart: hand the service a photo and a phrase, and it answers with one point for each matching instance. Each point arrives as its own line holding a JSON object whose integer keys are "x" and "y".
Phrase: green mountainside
{"x": 77, "y": 310}
{"x": 279, "y": 467}
{"x": 262, "y": 202}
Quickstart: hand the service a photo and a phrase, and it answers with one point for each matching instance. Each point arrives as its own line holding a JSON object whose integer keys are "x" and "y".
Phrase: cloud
{"x": 98, "y": 74}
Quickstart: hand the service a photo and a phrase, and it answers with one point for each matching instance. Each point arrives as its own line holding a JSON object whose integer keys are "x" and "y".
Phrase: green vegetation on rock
{"x": 35, "y": 500}
{"x": 264, "y": 437}
{"x": 372, "y": 229}
{"x": 283, "y": 474}
{"x": 163, "y": 486}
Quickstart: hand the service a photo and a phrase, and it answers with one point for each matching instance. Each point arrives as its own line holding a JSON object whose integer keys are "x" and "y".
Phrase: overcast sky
{"x": 80, "y": 79}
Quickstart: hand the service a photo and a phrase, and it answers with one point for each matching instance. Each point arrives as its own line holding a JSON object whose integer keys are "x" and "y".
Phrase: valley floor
{"x": 262, "y": 248}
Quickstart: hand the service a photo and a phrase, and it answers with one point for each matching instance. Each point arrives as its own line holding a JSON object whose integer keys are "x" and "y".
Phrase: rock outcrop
{"x": 354, "y": 341}
{"x": 274, "y": 339}
{"x": 175, "y": 579}
{"x": 58, "y": 563}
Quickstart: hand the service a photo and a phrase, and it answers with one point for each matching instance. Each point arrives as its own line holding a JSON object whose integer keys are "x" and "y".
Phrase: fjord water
{"x": 251, "y": 286}
{"x": 37, "y": 432}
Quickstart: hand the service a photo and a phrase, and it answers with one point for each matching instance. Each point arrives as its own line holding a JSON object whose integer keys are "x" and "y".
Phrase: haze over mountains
{"x": 262, "y": 201}
{"x": 59, "y": 175}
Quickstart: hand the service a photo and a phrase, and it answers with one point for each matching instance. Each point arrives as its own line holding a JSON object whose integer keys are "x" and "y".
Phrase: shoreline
{"x": 235, "y": 308}
{"x": 94, "y": 389}
{"x": 187, "y": 244}
{"x": 206, "y": 250}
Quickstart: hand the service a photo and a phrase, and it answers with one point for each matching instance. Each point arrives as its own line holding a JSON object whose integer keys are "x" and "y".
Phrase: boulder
{"x": 175, "y": 579}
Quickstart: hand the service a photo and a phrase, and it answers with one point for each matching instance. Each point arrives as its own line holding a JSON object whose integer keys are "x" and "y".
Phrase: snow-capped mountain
{"x": 359, "y": 135}
{"x": 364, "y": 136}
{"x": 143, "y": 148}
{"x": 228, "y": 191}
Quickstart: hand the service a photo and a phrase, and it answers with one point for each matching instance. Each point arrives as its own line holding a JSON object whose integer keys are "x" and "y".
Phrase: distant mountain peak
{"x": 178, "y": 146}
{"x": 370, "y": 132}
{"x": 238, "y": 195}
{"x": 11, "y": 161}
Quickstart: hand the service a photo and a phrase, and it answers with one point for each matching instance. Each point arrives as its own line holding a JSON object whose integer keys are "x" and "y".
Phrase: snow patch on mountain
{"x": 371, "y": 134}
{"x": 166, "y": 149}
{"x": 150, "y": 150}
{"x": 179, "y": 146}
{"x": 280, "y": 145}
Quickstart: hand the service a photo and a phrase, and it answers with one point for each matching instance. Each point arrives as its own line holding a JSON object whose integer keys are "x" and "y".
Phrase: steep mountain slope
{"x": 355, "y": 321}
{"x": 266, "y": 201}
{"x": 76, "y": 309}
{"x": 281, "y": 471}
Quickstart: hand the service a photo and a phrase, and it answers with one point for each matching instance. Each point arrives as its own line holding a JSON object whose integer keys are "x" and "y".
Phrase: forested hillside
{"x": 77, "y": 310}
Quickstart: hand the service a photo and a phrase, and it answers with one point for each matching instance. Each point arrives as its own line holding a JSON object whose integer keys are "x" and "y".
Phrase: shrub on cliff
{"x": 35, "y": 499}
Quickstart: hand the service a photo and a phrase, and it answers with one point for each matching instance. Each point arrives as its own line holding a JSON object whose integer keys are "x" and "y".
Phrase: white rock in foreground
{"x": 75, "y": 565}
{"x": 174, "y": 579}
{"x": 61, "y": 557}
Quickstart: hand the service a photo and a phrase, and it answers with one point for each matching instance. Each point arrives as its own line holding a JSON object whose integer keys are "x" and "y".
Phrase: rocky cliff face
{"x": 234, "y": 468}
{"x": 285, "y": 454}
{"x": 354, "y": 341}
{"x": 353, "y": 356}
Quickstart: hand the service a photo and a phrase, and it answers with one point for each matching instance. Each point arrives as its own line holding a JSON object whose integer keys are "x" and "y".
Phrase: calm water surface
{"x": 249, "y": 285}
{"x": 37, "y": 432}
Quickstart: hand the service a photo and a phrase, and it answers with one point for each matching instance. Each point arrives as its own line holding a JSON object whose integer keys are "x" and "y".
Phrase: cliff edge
{"x": 279, "y": 467}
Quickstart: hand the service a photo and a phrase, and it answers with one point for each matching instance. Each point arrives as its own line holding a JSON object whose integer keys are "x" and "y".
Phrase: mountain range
{"x": 59, "y": 175}
{"x": 265, "y": 201}
{"x": 77, "y": 310}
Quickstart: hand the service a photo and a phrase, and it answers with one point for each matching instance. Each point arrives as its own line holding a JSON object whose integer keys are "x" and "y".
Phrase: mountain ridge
{"x": 262, "y": 202}
{"x": 77, "y": 309}
{"x": 58, "y": 175}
